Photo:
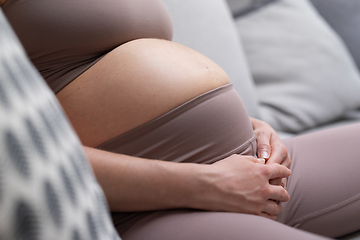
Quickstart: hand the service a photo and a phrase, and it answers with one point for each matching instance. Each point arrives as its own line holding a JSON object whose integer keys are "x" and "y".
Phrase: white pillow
{"x": 304, "y": 74}
{"x": 207, "y": 26}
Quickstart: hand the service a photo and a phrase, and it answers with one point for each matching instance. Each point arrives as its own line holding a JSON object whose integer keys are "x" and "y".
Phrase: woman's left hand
{"x": 270, "y": 147}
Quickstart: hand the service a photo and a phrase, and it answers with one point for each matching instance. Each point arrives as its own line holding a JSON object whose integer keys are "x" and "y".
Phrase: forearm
{"x": 136, "y": 184}
{"x": 235, "y": 184}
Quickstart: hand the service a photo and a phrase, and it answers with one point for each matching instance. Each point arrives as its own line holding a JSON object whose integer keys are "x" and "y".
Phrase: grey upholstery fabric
{"x": 207, "y": 27}
{"x": 47, "y": 188}
{"x": 344, "y": 18}
{"x": 303, "y": 72}
{"x": 243, "y": 7}
{"x": 236, "y": 5}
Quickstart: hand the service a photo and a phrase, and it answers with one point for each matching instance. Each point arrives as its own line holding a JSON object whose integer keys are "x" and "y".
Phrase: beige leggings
{"x": 325, "y": 198}
{"x": 324, "y": 185}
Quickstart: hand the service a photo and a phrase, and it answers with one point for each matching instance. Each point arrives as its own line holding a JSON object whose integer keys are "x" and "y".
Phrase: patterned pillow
{"x": 47, "y": 188}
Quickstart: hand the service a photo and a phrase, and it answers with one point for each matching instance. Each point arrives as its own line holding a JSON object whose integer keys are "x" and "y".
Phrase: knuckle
{"x": 279, "y": 209}
{"x": 276, "y": 208}
{"x": 289, "y": 159}
{"x": 266, "y": 171}
{"x": 272, "y": 208}
{"x": 262, "y": 146}
{"x": 265, "y": 192}
{"x": 284, "y": 151}
{"x": 285, "y": 196}
{"x": 261, "y": 132}
{"x": 251, "y": 158}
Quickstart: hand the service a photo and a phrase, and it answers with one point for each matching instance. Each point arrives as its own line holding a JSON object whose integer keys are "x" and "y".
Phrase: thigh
{"x": 324, "y": 185}
{"x": 199, "y": 225}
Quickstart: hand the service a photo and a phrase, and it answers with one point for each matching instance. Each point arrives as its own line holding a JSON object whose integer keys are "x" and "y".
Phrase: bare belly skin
{"x": 133, "y": 84}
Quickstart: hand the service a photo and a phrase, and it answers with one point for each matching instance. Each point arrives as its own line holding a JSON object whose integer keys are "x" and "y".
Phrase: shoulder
{"x": 2, "y": 2}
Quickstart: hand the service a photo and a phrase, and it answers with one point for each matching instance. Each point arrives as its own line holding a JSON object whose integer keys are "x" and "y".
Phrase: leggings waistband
{"x": 207, "y": 128}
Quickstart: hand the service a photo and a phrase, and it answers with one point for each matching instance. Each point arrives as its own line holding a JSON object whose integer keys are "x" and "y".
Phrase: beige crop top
{"x": 64, "y": 38}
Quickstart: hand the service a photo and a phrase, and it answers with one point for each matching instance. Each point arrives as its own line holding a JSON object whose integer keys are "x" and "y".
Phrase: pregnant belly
{"x": 133, "y": 84}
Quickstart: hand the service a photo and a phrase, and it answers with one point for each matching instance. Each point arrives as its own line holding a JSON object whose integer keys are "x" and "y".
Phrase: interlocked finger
{"x": 266, "y": 215}
{"x": 272, "y": 208}
{"x": 278, "y": 193}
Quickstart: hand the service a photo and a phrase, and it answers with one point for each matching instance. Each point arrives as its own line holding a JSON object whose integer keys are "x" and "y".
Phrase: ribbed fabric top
{"x": 64, "y": 38}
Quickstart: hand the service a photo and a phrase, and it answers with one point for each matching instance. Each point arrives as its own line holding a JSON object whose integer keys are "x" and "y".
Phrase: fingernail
{"x": 264, "y": 154}
{"x": 261, "y": 160}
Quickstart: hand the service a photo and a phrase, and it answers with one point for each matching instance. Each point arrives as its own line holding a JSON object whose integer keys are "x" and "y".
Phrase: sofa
{"x": 295, "y": 63}
{"x": 290, "y": 61}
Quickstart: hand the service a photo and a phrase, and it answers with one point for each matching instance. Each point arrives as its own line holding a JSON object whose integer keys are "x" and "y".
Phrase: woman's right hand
{"x": 241, "y": 184}
{"x": 235, "y": 184}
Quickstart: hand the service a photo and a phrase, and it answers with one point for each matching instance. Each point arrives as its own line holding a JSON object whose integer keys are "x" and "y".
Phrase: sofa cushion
{"x": 237, "y": 6}
{"x": 344, "y": 18}
{"x": 47, "y": 188}
{"x": 242, "y": 7}
{"x": 304, "y": 74}
{"x": 207, "y": 27}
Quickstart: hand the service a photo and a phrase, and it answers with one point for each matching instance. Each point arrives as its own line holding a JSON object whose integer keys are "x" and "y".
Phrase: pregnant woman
{"x": 170, "y": 140}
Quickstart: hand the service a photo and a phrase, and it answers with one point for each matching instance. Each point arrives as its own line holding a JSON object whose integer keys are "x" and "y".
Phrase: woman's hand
{"x": 241, "y": 184}
{"x": 236, "y": 184}
{"x": 270, "y": 147}
{"x": 269, "y": 144}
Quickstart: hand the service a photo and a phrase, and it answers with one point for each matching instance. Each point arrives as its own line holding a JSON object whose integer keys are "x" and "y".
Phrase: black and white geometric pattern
{"x": 47, "y": 188}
